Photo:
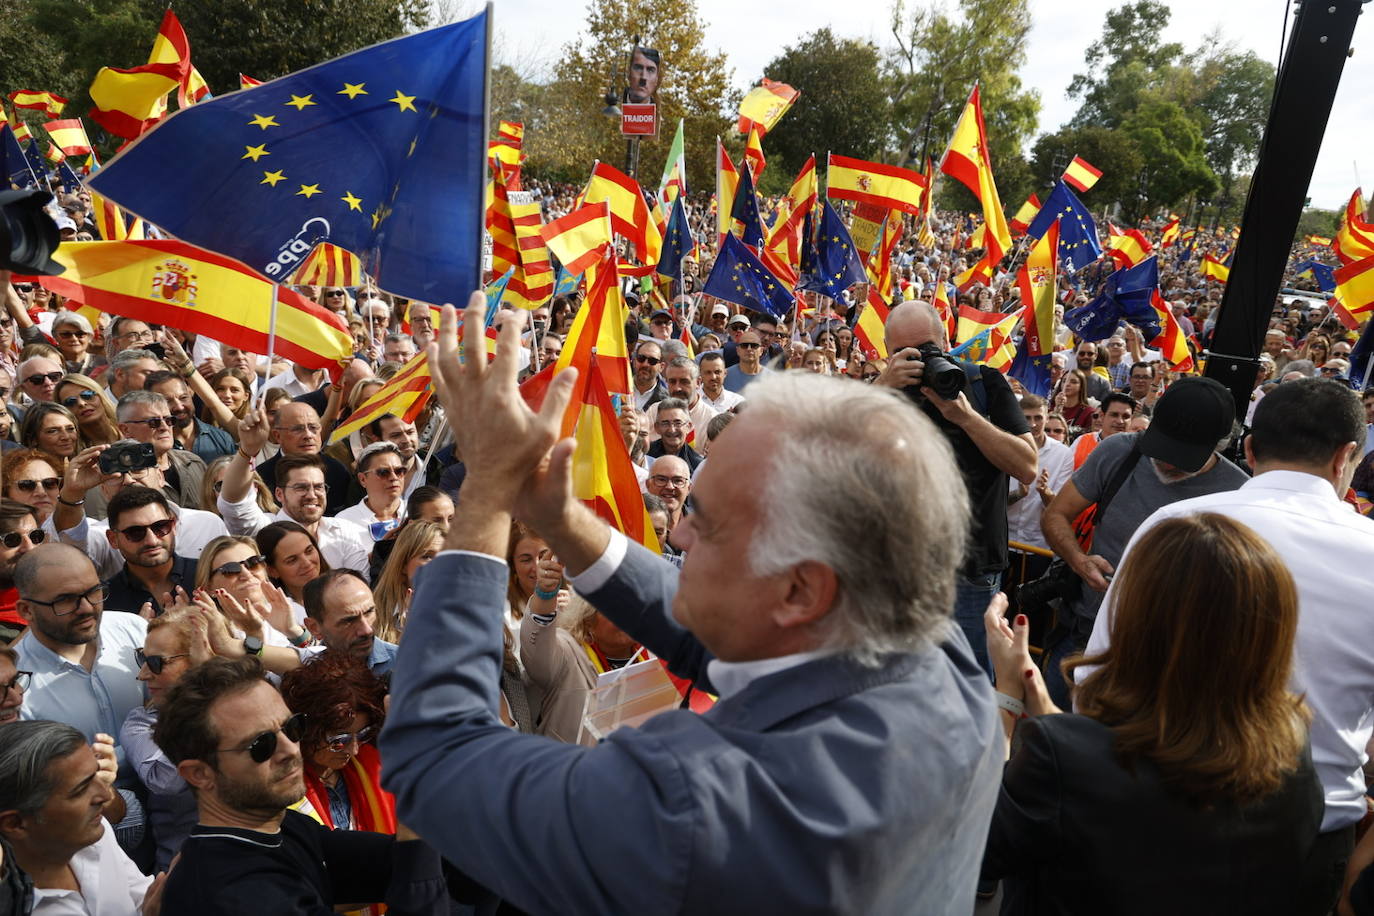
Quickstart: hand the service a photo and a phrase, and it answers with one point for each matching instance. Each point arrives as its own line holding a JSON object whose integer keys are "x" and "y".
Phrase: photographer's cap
{"x": 1192, "y": 416}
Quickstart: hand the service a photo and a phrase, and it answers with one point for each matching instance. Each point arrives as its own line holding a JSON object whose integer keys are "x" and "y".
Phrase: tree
{"x": 843, "y": 106}
{"x": 1129, "y": 57}
{"x": 695, "y": 85}
{"x": 937, "y": 60}
{"x": 1170, "y": 144}
{"x": 1111, "y": 151}
{"x": 1315, "y": 221}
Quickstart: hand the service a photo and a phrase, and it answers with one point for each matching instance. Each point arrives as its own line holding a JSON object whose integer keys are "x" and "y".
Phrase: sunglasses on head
{"x": 160, "y": 528}
{"x": 28, "y": 486}
{"x": 38, "y": 379}
{"x": 261, "y": 748}
{"x": 155, "y": 663}
{"x": 12, "y": 539}
{"x": 234, "y": 567}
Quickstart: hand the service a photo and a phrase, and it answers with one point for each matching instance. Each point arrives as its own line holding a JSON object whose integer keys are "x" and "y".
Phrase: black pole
{"x": 1304, "y": 91}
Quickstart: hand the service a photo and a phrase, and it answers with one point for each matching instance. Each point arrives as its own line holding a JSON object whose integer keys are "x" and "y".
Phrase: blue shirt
{"x": 211, "y": 442}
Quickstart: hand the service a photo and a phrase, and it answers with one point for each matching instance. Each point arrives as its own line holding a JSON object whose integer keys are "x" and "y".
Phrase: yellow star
{"x": 272, "y": 178}
{"x": 300, "y": 101}
{"x": 264, "y": 121}
{"x": 354, "y": 203}
{"x": 406, "y": 102}
{"x": 376, "y": 217}
{"x": 255, "y": 152}
{"x": 308, "y": 191}
{"x": 352, "y": 90}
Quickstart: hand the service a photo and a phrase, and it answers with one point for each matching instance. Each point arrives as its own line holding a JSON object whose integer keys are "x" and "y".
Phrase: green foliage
{"x": 1111, "y": 151}
{"x": 843, "y": 106}
{"x": 1318, "y": 222}
{"x": 1128, "y": 58}
{"x": 1170, "y": 143}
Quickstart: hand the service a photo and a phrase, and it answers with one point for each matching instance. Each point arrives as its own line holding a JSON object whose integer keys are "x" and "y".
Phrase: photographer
{"x": 983, "y": 422}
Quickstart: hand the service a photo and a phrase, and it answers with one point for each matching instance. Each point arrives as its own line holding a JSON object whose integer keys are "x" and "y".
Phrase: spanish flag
{"x": 630, "y": 216}
{"x": 1022, "y": 220}
{"x": 727, "y": 180}
{"x": 328, "y": 265}
{"x": 579, "y": 239}
{"x": 1080, "y": 175}
{"x": 765, "y": 105}
{"x": 1355, "y": 286}
{"x": 1170, "y": 234}
{"x": 1354, "y": 239}
{"x": 600, "y": 327}
{"x": 753, "y": 152}
{"x": 785, "y": 236}
{"x": 967, "y": 161}
{"x": 870, "y": 326}
{"x": 1211, "y": 267}
{"x": 69, "y": 136}
{"x": 941, "y": 302}
{"x": 247, "y": 82}
{"x": 514, "y": 131}
{"x": 53, "y": 154}
{"x": 1170, "y": 341}
{"x": 49, "y": 103}
{"x": 181, "y": 286}
{"x": 129, "y": 101}
{"x": 887, "y": 187}
{"x": 1128, "y": 248}
{"x": 1037, "y": 283}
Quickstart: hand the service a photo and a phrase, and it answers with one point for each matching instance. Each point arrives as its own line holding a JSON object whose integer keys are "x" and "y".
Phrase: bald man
{"x": 671, "y": 481}
{"x": 991, "y": 440}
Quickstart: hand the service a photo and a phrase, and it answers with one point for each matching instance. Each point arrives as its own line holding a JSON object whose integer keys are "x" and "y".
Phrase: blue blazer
{"x": 825, "y": 788}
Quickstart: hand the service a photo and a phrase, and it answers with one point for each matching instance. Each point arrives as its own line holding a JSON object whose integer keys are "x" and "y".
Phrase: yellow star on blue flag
{"x": 339, "y": 161}
{"x": 740, "y": 277}
{"x": 1078, "y": 244}
{"x": 832, "y": 265}
{"x": 677, "y": 242}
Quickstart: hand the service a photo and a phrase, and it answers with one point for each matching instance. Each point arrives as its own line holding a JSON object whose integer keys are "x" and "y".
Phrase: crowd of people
{"x": 930, "y": 643}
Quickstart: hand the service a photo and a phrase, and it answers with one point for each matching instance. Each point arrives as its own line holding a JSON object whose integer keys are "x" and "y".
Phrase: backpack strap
{"x": 1123, "y": 470}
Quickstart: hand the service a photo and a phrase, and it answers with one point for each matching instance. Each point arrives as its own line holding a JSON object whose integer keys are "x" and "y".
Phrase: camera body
{"x": 1059, "y": 582}
{"x": 131, "y": 456}
{"x": 941, "y": 373}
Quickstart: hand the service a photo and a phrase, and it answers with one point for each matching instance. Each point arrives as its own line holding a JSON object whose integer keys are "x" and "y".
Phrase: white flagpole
{"x": 271, "y": 343}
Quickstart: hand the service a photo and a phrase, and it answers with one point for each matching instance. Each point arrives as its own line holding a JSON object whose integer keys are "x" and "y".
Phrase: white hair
{"x": 862, "y": 482}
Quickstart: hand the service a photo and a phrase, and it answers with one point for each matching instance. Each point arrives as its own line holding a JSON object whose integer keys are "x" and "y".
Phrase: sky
{"x": 750, "y": 35}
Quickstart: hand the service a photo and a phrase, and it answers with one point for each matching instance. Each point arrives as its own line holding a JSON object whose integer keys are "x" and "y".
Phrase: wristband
{"x": 303, "y": 640}
{"x": 247, "y": 457}
{"x": 75, "y": 505}
{"x": 1011, "y": 704}
{"x": 187, "y": 371}
{"x": 547, "y": 596}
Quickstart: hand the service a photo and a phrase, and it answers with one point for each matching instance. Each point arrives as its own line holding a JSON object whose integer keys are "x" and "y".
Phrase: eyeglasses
{"x": 747, "y": 345}
{"x": 155, "y": 422}
{"x": 647, "y": 360}
{"x": 78, "y": 334}
{"x": 12, "y": 539}
{"x": 341, "y": 742}
{"x": 388, "y": 472}
{"x": 38, "y": 379}
{"x": 85, "y": 395}
{"x": 663, "y": 481}
{"x": 261, "y": 748}
{"x": 155, "y": 663}
{"x": 136, "y": 335}
{"x": 234, "y": 567}
{"x": 301, "y": 429}
{"x": 302, "y": 489}
{"x": 671, "y": 424}
{"x": 63, "y": 605}
{"x": 19, "y": 682}
{"x": 160, "y": 528}
{"x": 28, "y": 486}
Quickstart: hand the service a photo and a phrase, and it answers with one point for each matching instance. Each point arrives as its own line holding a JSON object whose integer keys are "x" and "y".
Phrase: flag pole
{"x": 429, "y": 452}
{"x": 271, "y": 342}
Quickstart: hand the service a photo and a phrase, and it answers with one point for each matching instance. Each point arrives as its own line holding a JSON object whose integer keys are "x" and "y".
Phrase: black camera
{"x": 1059, "y": 582}
{"x": 131, "y": 456}
{"x": 28, "y": 236}
{"x": 941, "y": 373}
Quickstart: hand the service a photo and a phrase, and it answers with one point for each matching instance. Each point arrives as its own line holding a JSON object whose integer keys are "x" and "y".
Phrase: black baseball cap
{"x": 1192, "y": 416}
{"x": 661, "y": 313}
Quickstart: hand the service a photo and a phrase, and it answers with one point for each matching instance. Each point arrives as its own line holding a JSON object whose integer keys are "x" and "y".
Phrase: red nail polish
{"x": 1030, "y": 674}
{"x": 1020, "y": 620}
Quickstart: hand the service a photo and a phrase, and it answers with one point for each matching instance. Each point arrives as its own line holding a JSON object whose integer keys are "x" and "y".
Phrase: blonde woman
{"x": 417, "y": 543}
{"x": 92, "y": 407}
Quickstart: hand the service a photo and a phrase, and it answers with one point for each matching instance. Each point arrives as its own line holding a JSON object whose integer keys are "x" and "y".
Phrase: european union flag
{"x": 17, "y": 171}
{"x": 1124, "y": 297}
{"x": 70, "y": 183}
{"x": 37, "y": 164}
{"x": 745, "y": 210}
{"x": 740, "y": 277}
{"x": 677, "y": 241}
{"x": 1033, "y": 372}
{"x": 1078, "y": 245}
{"x": 381, "y": 152}
{"x": 836, "y": 265}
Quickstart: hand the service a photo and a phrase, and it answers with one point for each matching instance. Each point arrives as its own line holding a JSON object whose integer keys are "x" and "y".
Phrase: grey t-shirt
{"x": 1141, "y": 494}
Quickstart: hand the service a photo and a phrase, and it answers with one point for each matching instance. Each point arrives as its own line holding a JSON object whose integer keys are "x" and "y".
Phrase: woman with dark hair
{"x": 293, "y": 556}
{"x": 342, "y": 702}
{"x": 1071, "y": 401}
{"x": 1184, "y": 784}
{"x": 52, "y": 428}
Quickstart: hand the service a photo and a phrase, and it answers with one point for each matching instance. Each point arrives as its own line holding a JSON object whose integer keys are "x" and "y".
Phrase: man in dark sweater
{"x": 234, "y": 742}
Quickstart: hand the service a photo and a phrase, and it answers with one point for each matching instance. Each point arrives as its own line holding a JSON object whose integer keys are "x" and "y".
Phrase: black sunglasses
{"x": 650, "y": 360}
{"x": 53, "y": 377}
{"x": 160, "y": 528}
{"x": 28, "y": 486}
{"x": 156, "y": 422}
{"x": 234, "y": 567}
{"x": 748, "y": 346}
{"x": 12, "y": 539}
{"x": 85, "y": 395}
{"x": 261, "y": 748}
{"x": 155, "y": 663}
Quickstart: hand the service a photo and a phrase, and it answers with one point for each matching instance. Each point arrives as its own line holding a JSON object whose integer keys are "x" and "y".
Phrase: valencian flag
{"x": 738, "y": 276}
{"x": 1126, "y": 296}
{"x": 1080, "y": 174}
{"x": 838, "y": 264}
{"x": 765, "y": 105}
{"x": 1078, "y": 245}
{"x": 985, "y": 337}
{"x": 1037, "y": 282}
{"x": 50, "y": 103}
{"x": 887, "y": 187}
{"x": 176, "y": 284}
{"x": 328, "y": 265}
{"x": 259, "y": 174}
{"x": 599, "y": 326}
{"x": 969, "y": 162}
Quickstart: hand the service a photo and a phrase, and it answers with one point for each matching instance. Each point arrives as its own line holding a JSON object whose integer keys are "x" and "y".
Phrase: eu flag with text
{"x": 1078, "y": 244}
{"x": 835, "y": 265}
{"x": 677, "y": 242}
{"x": 1125, "y": 296}
{"x": 740, "y": 277}
{"x": 381, "y": 152}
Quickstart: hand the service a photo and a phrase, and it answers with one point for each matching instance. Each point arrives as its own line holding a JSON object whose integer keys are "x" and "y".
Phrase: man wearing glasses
{"x": 143, "y": 530}
{"x": 750, "y": 365}
{"x": 145, "y": 416}
{"x": 648, "y": 370}
{"x": 236, "y": 745}
{"x": 298, "y": 432}
{"x": 673, "y": 423}
{"x": 19, "y": 533}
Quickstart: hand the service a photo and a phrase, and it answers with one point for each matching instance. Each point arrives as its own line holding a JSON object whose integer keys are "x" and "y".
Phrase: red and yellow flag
{"x": 869, "y": 327}
{"x": 1211, "y": 267}
{"x": 727, "y": 180}
{"x": 1171, "y": 342}
{"x": 129, "y": 101}
{"x": 764, "y": 106}
{"x": 328, "y": 265}
{"x": 181, "y": 286}
{"x": 532, "y": 283}
{"x": 112, "y": 223}
{"x": 1129, "y": 247}
{"x": 1170, "y": 234}
{"x": 600, "y": 326}
{"x": 513, "y": 131}
{"x": 247, "y": 82}
{"x": 630, "y": 216}
{"x": 1354, "y": 239}
{"x": 505, "y": 249}
{"x": 1022, "y": 220}
{"x": 580, "y": 238}
{"x": 1355, "y": 286}
{"x": 69, "y": 136}
{"x": 49, "y": 103}
{"x": 1080, "y": 175}
{"x": 753, "y": 152}
{"x": 1038, "y": 292}
{"x": 968, "y": 162}
{"x": 785, "y": 236}
{"x": 404, "y": 395}
{"x": 21, "y": 131}
{"x": 53, "y": 154}
{"x": 888, "y": 187}
{"x": 942, "y": 306}
{"x": 878, "y": 263}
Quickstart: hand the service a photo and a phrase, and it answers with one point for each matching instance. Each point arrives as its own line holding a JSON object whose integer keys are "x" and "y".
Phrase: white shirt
{"x": 360, "y": 514}
{"x": 699, "y": 413}
{"x": 1329, "y": 549}
{"x": 111, "y": 884}
{"x": 342, "y": 543}
{"x": 195, "y": 529}
{"x": 1023, "y": 516}
{"x": 727, "y": 400}
{"x": 287, "y": 380}
{"x": 727, "y": 677}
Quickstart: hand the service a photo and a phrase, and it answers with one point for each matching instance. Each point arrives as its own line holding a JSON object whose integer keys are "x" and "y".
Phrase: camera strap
{"x": 978, "y": 394}
{"x": 1087, "y": 523}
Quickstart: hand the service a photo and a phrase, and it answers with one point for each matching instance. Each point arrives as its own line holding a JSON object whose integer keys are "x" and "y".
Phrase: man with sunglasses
{"x": 145, "y": 416}
{"x": 750, "y": 366}
{"x": 19, "y": 533}
{"x": 235, "y": 743}
{"x": 142, "y": 529}
{"x": 648, "y": 374}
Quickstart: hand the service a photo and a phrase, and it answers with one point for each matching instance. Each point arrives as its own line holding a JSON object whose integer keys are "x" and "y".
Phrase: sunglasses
{"x": 12, "y": 539}
{"x": 647, "y": 360}
{"x": 28, "y": 486}
{"x": 78, "y": 334}
{"x": 139, "y": 532}
{"x": 261, "y": 748}
{"x": 748, "y": 346}
{"x": 341, "y": 742}
{"x": 155, "y": 422}
{"x": 38, "y": 379}
{"x": 335, "y": 292}
{"x": 85, "y": 395}
{"x": 234, "y": 567}
{"x": 387, "y": 473}
{"x": 155, "y": 663}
